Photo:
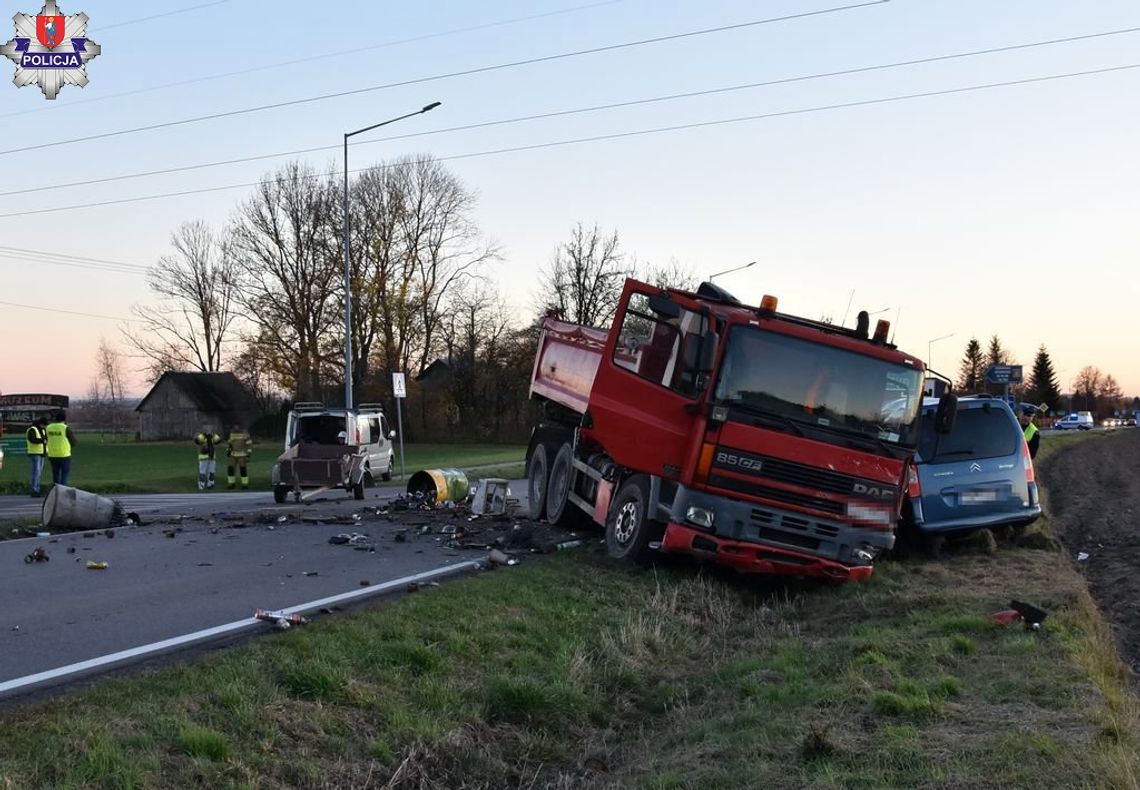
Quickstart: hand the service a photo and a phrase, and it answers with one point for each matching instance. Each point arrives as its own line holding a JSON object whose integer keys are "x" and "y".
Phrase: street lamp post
{"x": 347, "y": 278}
{"x": 931, "y": 342}
{"x": 730, "y": 271}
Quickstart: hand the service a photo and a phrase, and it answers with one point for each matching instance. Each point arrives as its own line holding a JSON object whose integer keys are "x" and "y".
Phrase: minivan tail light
{"x": 913, "y": 488}
{"x": 1029, "y": 478}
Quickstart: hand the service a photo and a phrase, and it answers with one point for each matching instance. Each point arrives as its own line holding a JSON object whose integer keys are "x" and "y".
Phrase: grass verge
{"x": 569, "y": 671}
{"x": 172, "y": 467}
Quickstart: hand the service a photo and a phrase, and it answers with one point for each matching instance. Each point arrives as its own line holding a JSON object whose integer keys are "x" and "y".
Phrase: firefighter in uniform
{"x": 207, "y": 442}
{"x": 36, "y": 439}
{"x": 238, "y": 448}
{"x": 60, "y": 440}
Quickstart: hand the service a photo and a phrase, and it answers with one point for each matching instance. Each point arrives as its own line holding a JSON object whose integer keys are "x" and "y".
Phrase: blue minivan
{"x": 978, "y": 475}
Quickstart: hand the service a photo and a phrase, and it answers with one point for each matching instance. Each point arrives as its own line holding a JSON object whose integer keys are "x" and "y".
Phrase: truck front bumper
{"x": 750, "y": 557}
{"x": 753, "y": 536}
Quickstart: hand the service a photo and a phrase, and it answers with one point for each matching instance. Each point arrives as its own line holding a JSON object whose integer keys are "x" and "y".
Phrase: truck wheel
{"x": 538, "y": 478}
{"x": 559, "y": 509}
{"x": 279, "y": 494}
{"x": 628, "y": 528}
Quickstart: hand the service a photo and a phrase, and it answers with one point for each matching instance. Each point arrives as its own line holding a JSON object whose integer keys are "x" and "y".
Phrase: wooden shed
{"x": 180, "y": 404}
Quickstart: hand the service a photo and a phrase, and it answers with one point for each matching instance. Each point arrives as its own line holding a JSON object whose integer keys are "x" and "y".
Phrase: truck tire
{"x": 559, "y": 509}
{"x": 538, "y": 478}
{"x": 628, "y": 528}
{"x": 280, "y": 492}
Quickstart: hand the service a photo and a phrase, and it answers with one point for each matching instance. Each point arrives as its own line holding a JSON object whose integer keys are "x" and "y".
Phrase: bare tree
{"x": 258, "y": 373}
{"x": 108, "y": 384}
{"x": 414, "y": 239}
{"x": 284, "y": 246}
{"x": 672, "y": 275}
{"x": 195, "y": 286}
{"x": 443, "y": 238}
{"x": 584, "y": 280}
{"x": 1087, "y": 385}
{"x": 1110, "y": 396}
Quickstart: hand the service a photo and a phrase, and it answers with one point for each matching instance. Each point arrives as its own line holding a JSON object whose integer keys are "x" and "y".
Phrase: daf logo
{"x": 975, "y": 467}
{"x": 874, "y": 492}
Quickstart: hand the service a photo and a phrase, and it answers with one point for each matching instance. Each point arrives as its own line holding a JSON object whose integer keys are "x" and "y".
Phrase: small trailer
{"x": 309, "y": 468}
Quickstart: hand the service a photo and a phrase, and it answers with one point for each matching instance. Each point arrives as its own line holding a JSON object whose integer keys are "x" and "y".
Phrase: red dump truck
{"x": 763, "y": 441}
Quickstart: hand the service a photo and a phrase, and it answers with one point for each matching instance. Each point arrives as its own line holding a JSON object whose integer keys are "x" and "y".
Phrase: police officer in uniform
{"x": 1032, "y": 436}
{"x": 207, "y": 442}
{"x": 238, "y": 448}
{"x": 36, "y": 440}
{"x": 60, "y": 440}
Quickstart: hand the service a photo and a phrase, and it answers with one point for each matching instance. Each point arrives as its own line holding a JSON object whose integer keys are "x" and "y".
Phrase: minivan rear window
{"x": 978, "y": 433}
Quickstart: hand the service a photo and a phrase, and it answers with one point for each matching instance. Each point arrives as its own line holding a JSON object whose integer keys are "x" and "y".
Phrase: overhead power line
{"x": 437, "y": 77}
{"x": 310, "y": 58}
{"x": 163, "y": 15}
{"x": 66, "y": 312}
{"x": 633, "y": 133}
{"x": 593, "y": 108}
{"x": 104, "y": 269}
{"x": 26, "y": 253}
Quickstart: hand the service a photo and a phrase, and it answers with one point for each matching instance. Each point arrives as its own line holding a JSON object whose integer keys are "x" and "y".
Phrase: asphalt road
{"x": 231, "y": 555}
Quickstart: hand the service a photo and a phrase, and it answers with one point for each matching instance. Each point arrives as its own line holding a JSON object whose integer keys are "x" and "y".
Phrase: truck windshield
{"x": 820, "y": 386}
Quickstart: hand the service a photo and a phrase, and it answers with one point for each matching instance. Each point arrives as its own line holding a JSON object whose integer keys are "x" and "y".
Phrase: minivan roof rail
{"x": 307, "y": 404}
{"x": 378, "y": 406}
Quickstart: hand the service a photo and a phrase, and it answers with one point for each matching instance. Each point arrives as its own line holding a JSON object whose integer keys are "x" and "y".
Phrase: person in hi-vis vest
{"x": 36, "y": 441}
{"x": 1032, "y": 436}
{"x": 238, "y": 452}
{"x": 207, "y": 442}
{"x": 60, "y": 440}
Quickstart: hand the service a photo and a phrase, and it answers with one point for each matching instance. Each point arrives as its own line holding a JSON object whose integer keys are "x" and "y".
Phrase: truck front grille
{"x": 803, "y": 533}
{"x": 777, "y": 494}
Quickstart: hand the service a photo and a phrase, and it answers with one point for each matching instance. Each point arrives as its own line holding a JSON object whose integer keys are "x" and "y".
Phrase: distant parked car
{"x": 978, "y": 475}
{"x": 1082, "y": 421}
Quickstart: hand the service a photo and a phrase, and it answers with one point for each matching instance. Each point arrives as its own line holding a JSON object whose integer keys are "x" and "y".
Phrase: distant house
{"x": 179, "y": 404}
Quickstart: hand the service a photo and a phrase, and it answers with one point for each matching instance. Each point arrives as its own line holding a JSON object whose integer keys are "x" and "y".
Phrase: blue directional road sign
{"x": 1003, "y": 374}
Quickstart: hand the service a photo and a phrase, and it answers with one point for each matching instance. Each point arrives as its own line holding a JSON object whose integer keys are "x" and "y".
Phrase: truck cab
{"x": 759, "y": 440}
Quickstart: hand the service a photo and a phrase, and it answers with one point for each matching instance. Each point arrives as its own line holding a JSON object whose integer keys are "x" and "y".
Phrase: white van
{"x": 365, "y": 426}
{"x": 1082, "y": 421}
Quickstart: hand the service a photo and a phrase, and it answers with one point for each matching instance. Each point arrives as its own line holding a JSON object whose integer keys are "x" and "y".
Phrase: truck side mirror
{"x": 945, "y": 414}
{"x": 662, "y": 305}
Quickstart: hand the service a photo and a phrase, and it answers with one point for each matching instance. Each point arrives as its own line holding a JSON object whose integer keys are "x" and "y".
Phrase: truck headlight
{"x": 700, "y": 516}
{"x": 869, "y": 514}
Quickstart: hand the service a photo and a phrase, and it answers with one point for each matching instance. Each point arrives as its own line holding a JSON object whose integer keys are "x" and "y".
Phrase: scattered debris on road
{"x": 96, "y": 566}
{"x": 279, "y": 619}
{"x": 39, "y": 554}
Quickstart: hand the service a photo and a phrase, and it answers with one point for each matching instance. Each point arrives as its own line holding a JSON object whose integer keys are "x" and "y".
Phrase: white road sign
{"x": 398, "y": 387}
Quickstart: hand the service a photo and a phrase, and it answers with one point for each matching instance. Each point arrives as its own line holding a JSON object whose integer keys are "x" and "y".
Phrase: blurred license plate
{"x": 978, "y": 497}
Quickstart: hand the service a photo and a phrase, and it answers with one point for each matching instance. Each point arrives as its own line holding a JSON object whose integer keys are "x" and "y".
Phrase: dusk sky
{"x": 1008, "y": 210}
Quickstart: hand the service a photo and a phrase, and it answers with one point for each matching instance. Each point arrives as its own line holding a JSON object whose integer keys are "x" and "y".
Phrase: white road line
{"x": 228, "y": 628}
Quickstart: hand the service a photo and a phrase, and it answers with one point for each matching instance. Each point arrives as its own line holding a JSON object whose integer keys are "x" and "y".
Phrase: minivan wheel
{"x": 387, "y": 474}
